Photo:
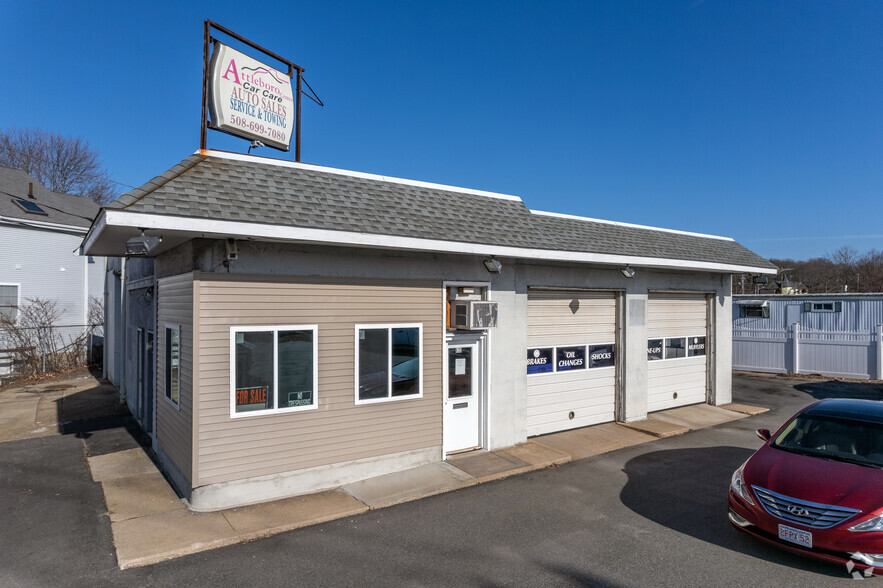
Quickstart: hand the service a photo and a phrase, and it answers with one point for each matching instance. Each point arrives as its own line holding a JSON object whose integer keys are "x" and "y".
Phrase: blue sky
{"x": 758, "y": 120}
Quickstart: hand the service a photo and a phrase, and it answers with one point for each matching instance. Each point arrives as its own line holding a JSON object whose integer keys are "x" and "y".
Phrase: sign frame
{"x": 294, "y": 71}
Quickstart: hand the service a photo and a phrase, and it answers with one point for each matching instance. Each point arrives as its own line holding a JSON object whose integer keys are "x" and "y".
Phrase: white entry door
{"x": 461, "y": 413}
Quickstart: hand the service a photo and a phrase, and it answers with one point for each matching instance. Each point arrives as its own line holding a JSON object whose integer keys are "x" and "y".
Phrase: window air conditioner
{"x": 473, "y": 314}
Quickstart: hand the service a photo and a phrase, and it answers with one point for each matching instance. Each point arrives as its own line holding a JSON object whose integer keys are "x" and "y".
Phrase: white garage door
{"x": 677, "y": 329}
{"x": 571, "y": 359}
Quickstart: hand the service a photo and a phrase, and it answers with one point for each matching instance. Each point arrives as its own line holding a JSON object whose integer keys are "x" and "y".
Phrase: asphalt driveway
{"x": 648, "y": 515}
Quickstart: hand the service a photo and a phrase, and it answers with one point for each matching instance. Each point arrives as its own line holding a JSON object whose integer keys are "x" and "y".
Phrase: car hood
{"x": 815, "y": 479}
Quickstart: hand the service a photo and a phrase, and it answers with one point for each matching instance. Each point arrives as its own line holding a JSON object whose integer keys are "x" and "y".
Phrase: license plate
{"x": 802, "y": 538}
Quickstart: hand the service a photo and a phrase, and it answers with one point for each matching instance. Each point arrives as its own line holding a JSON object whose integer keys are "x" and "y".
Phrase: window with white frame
{"x": 389, "y": 362}
{"x": 173, "y": 364}
{"x": 9, "y": 301}
{"x": 273, "y": 369}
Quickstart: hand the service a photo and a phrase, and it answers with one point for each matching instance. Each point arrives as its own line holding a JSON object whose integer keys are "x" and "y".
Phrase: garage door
{"x": 571, "y": 359}
{"x": 677, "y": 329}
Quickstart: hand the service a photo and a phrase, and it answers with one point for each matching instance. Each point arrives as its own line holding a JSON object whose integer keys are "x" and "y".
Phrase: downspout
{"x": 122, "y": 327}
{"x": 88, "y": 334}
{"x": 105, "y": 330}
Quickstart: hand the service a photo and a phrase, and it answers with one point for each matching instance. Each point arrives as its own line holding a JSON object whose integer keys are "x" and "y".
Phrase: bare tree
{"x": 36, "y": 342}
{"x": 63, "y": 164}
{"x": 827, "y": 275}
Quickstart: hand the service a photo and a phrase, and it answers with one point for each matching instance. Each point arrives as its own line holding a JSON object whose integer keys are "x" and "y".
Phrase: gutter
{"x": 43, "y": 225}
{"x": 213, "y": 228}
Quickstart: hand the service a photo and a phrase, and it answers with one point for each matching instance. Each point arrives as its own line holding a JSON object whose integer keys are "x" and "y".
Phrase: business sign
{"x": 654, "y": 349}
{"x": 250, "y": 99}
{"x": 539, "y": 360}
{"x": 695, "y": 346}
{"x": 570, "y": 358}
{"x": 602, "y": 355}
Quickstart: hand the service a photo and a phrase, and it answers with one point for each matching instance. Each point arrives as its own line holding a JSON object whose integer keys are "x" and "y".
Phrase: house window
{"x": 173, "y": 364}
{"x": 9, "y": 301}
{"x": 389, "y": 362}
{"x": 754, "y": 311}
{"x": 822, "y": 306}
{"x": 273, "y": 369}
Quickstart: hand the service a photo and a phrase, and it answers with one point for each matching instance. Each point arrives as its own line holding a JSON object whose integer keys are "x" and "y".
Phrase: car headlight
{"x": 738, "y": 485}
{"x": 872, "y": 524}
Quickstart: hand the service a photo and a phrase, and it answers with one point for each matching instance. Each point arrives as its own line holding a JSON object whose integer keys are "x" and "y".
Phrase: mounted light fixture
{"x": 493, "y": 266}
{"x": 627, "y": 272}
{"x": 142, "y": 245}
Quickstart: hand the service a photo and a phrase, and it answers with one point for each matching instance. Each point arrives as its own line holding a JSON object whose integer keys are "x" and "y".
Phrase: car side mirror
{"x": 764, "y": 434}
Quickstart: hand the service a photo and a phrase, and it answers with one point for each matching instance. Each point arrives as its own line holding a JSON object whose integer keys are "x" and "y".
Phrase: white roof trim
{"x": 629, "y": 225}
{"x": 352, "y": 174}
{"x": 43, "y": 224}
{"x": 98, "y": 226}
{"x": 211, "y": 227}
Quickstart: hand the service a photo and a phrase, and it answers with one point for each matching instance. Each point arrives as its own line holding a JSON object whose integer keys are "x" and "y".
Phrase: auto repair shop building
{"x": 318, "y": 326}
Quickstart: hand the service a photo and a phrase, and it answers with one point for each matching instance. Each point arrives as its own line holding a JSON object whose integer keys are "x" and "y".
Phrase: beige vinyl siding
{"x": 566, "y": 318}
{"x": 174, "y": 431}
{"x": 677, "y": 382}
{"x": 338, "y": 430}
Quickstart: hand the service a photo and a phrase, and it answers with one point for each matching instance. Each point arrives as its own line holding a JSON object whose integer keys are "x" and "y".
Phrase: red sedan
{"x": 816, "y": 486}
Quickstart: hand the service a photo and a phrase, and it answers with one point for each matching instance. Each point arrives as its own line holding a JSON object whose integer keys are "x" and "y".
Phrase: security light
{"x": 142, "y": 245}
{"x": 627, "y": 272}
{"x": 493, "y": 266}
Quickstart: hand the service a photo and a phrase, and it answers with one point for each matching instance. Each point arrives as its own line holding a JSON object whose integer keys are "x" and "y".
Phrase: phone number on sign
{"x": 257, "y": 128}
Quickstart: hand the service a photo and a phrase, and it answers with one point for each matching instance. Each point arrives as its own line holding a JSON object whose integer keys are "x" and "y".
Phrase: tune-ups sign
{"x": 250, "y": 99}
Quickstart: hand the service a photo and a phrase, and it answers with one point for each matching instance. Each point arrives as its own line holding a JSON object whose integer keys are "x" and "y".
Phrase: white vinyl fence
{"x": 840, "y": 354}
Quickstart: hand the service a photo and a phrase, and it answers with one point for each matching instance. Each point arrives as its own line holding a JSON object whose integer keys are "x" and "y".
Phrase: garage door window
{"x": 655, "y": 349}
{"x": 273, "y": 369}
{"x": 567, "y": 358}
{"x": 675, "y": 347}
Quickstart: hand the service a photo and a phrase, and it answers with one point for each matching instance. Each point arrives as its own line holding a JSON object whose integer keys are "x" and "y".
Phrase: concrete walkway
{"x": 150, "y": 523}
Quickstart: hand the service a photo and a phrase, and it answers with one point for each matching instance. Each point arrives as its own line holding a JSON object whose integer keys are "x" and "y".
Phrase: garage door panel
{"x": 541, "y": 424}
{"x": 592, "y": 406}
{"x": 570, "y": 318}
{"x": 575, "y": 393}
{"x": 690, "y": 366}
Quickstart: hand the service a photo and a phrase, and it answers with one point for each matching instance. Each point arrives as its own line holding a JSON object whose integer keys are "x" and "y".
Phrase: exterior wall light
{"x": 493, "y": 266}
{"x": 142, "y": 245}
{"x": 627, "y": 272}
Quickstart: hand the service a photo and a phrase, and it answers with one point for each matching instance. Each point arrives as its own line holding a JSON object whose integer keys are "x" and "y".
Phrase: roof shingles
{"x": 231, "y": 189}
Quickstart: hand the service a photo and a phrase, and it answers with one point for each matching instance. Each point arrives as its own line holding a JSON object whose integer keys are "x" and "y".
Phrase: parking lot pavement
{"x": 646, "y": 514}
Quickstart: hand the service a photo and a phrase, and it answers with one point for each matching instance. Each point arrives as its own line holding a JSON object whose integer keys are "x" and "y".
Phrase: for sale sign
{"x": 250, "y": 99}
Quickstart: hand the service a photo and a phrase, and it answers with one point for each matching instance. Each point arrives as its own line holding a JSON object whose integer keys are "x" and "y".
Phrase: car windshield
{"x": 848, "y": 440}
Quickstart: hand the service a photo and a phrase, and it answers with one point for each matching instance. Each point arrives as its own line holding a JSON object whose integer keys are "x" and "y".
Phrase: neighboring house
{"x": 316, "y": 326}
{"x": 40, "y": 236}
{"x": 830, "y": 334}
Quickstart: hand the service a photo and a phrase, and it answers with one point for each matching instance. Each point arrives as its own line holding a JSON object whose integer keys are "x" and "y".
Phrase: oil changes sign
{"x": 250, "y": 99}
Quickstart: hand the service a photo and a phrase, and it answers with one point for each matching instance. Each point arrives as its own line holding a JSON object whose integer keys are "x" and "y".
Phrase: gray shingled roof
{"x": 227, "y": 189}
{"x": 63, "y": 209}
